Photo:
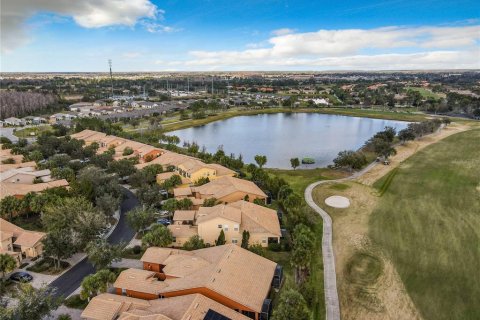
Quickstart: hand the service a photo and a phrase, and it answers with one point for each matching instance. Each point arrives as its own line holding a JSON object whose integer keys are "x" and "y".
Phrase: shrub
{"x": 137, "y": 249}
{"x": 276, "y": 247}
{"x": 8, "y": 161}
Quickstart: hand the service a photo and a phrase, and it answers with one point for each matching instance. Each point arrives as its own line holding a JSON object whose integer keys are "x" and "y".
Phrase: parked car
{"x": 21, "y": 276}
{"x": 164, "y": 221}
{"x": 164, "y": 213}
{"x": 164, "y": 193}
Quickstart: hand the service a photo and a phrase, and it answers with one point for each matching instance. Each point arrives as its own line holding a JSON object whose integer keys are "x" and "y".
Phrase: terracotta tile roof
{"x": 219, "y": 211}
{"x": 182, "y": 230}
{"x": 159, "y": 255}
{"x": 224, "y": 186}
{"x": 6, "y": 167}
{"x": 30, "y": 238}
{"x": 139, "y": 280}
{"x": 107, "y": 306}
{"x": 257, "y": 219}
{"x": 181, "y": 215}
{"x": 10, "y": 228}
{"x": 188, "y": 307}
{"x": 232, "y": 272}
{"x": 182, "y": 192}
{"x": 221, "y": 170}
{"x": 4, "y": 176}
{"x": 14, "y": 189}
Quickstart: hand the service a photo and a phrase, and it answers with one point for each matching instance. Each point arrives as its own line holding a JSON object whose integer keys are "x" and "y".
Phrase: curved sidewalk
{"x": 332, "y": 304}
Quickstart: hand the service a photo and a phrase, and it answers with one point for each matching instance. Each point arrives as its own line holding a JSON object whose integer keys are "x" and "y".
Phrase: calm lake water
{"x": 283, "y": 136}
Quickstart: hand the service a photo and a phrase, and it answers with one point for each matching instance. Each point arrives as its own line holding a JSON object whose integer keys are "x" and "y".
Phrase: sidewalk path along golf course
{"x": 332, "y": 304}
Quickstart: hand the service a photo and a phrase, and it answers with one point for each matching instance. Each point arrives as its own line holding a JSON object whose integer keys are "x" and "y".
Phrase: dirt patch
{"x": 407, "y": 150}
{"x": 369, "y": 286}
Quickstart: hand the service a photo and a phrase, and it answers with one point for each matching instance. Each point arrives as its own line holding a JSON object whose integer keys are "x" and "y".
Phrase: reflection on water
{"x": 284, "y": 136}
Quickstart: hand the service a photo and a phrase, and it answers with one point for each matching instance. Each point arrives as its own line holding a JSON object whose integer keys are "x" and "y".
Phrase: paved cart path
{"x": 332, "y": 304}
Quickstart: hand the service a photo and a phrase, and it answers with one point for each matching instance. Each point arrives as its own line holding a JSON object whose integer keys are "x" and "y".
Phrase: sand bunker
{"x": 338, "y": 202}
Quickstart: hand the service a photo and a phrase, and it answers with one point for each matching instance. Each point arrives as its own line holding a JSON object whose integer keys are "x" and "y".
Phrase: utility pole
{"x": 111, "y": 76}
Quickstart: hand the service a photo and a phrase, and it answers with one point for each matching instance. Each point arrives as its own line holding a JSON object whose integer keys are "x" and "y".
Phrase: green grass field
{"x": 32, "y": 131}
{"x": 426, "y": 93}
{"x": 428, "y": 223}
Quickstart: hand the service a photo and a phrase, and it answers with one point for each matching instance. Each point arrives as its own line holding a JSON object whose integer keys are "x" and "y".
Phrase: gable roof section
{"x": 258, "y": 219}
{"x": 230, "y": 271}
{"x": 226, "y": 185}
{"x": 140, "y": 281}
{"x": 219, "y": 211}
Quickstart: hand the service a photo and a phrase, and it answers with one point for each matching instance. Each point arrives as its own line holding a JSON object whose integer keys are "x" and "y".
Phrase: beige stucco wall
{"x": 260, "y": 238}
{"x": 209, "y": 230}
{"x": 202, "y": 173}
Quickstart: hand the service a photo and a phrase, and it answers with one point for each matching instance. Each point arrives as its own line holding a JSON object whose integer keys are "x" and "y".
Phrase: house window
{"x": 124, "y": 292}
{"x": 235, "y": 227}
{"x": 219, "y": 226}
{"x": 225, "y": 227}
{"x": 264, "y": 240}
{"x": 234, "y": 241}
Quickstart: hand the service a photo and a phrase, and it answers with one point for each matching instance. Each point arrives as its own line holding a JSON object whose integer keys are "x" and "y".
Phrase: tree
{"x": 58, "y": 244}
{"x": 292, "y": 201}
{"x": 245, "y": 239}
{"x": 260, "y": 160}
{"x": 123, "y": 167}
{"x": 291, "y": 305}
{"x": 194, "y": 243}
{"x": 294, "y": 162}
{"x": 350, "y": 159}
{"x": 63, "y": 173}
{"x": 7, "y": 263}
{"x": 202, "y": 181}
{"x": 101, "y": 254}
{"x": 9, "y": 206}
{"x": 221, "y": 238}
{"x": 107, "y": 204}
{"x": 139, "y": 219}
{"x": 158, "y": 236}
{"x": 406, "y": 135}
{"x": 96, "y": 283}
{"x": 211, "y": 202}
{"x": 170, "y": 205}
{"x": 257, "y": 249}
{"x": 303, "y": 248}
{"x": 149, "y": 195}
{"x": 35, "y": 304}
{"x": 184, "y": 204}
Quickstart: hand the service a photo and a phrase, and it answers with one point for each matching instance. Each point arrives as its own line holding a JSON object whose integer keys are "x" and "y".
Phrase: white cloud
{"x": 282, "y": 31}
{"x": 380, "y": 48}
{"x": 86, "y": 13}
{"x": 131, "y": 55}
{"x": 154, "y": 27}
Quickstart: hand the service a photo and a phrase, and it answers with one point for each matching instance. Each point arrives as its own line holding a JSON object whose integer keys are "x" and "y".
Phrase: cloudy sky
{"x": 150, "y": 35}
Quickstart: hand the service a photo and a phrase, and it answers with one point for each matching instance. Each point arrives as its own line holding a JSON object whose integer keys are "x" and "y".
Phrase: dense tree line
{"x": 19, "y": 104}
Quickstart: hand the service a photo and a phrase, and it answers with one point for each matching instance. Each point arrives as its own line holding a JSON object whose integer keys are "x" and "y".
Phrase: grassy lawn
{"x": 45, "y": 266}
{"x": 299, "y": 179}
{"x": 75, "y": 302}
{"x": 426, "y": 93}
{"x": 428, "y": 223}
{"x": 32, "y": 131}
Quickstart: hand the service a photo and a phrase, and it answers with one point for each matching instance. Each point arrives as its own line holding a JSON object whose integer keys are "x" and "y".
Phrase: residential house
{"x": 164, "y": 176}
{"x": 225, "y": 189}
{"x": 27, "y": 175}
{"x": 54, "y": 118}
{"x": 108, "y": 306}
{"x": 227, "y": 274}
{"x": 81, "y": 107}
{"x": 233, "y": 218}
{"x": 12, "y": 121}
{"x": 20, "y": 243}
{"x": 19, "y": 190}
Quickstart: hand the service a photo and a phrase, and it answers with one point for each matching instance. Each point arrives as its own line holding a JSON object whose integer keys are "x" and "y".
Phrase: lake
{"x": 283, "y": 136}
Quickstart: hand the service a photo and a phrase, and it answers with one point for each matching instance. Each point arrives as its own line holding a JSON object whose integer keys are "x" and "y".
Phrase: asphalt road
{"x": 68, "y": 282}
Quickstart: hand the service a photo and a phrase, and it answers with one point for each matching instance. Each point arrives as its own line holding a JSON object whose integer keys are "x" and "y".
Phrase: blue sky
{"x": 143, "y": 35}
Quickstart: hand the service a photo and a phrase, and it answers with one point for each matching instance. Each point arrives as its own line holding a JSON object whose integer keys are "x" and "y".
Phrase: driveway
{"x": 69, "y": 281}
